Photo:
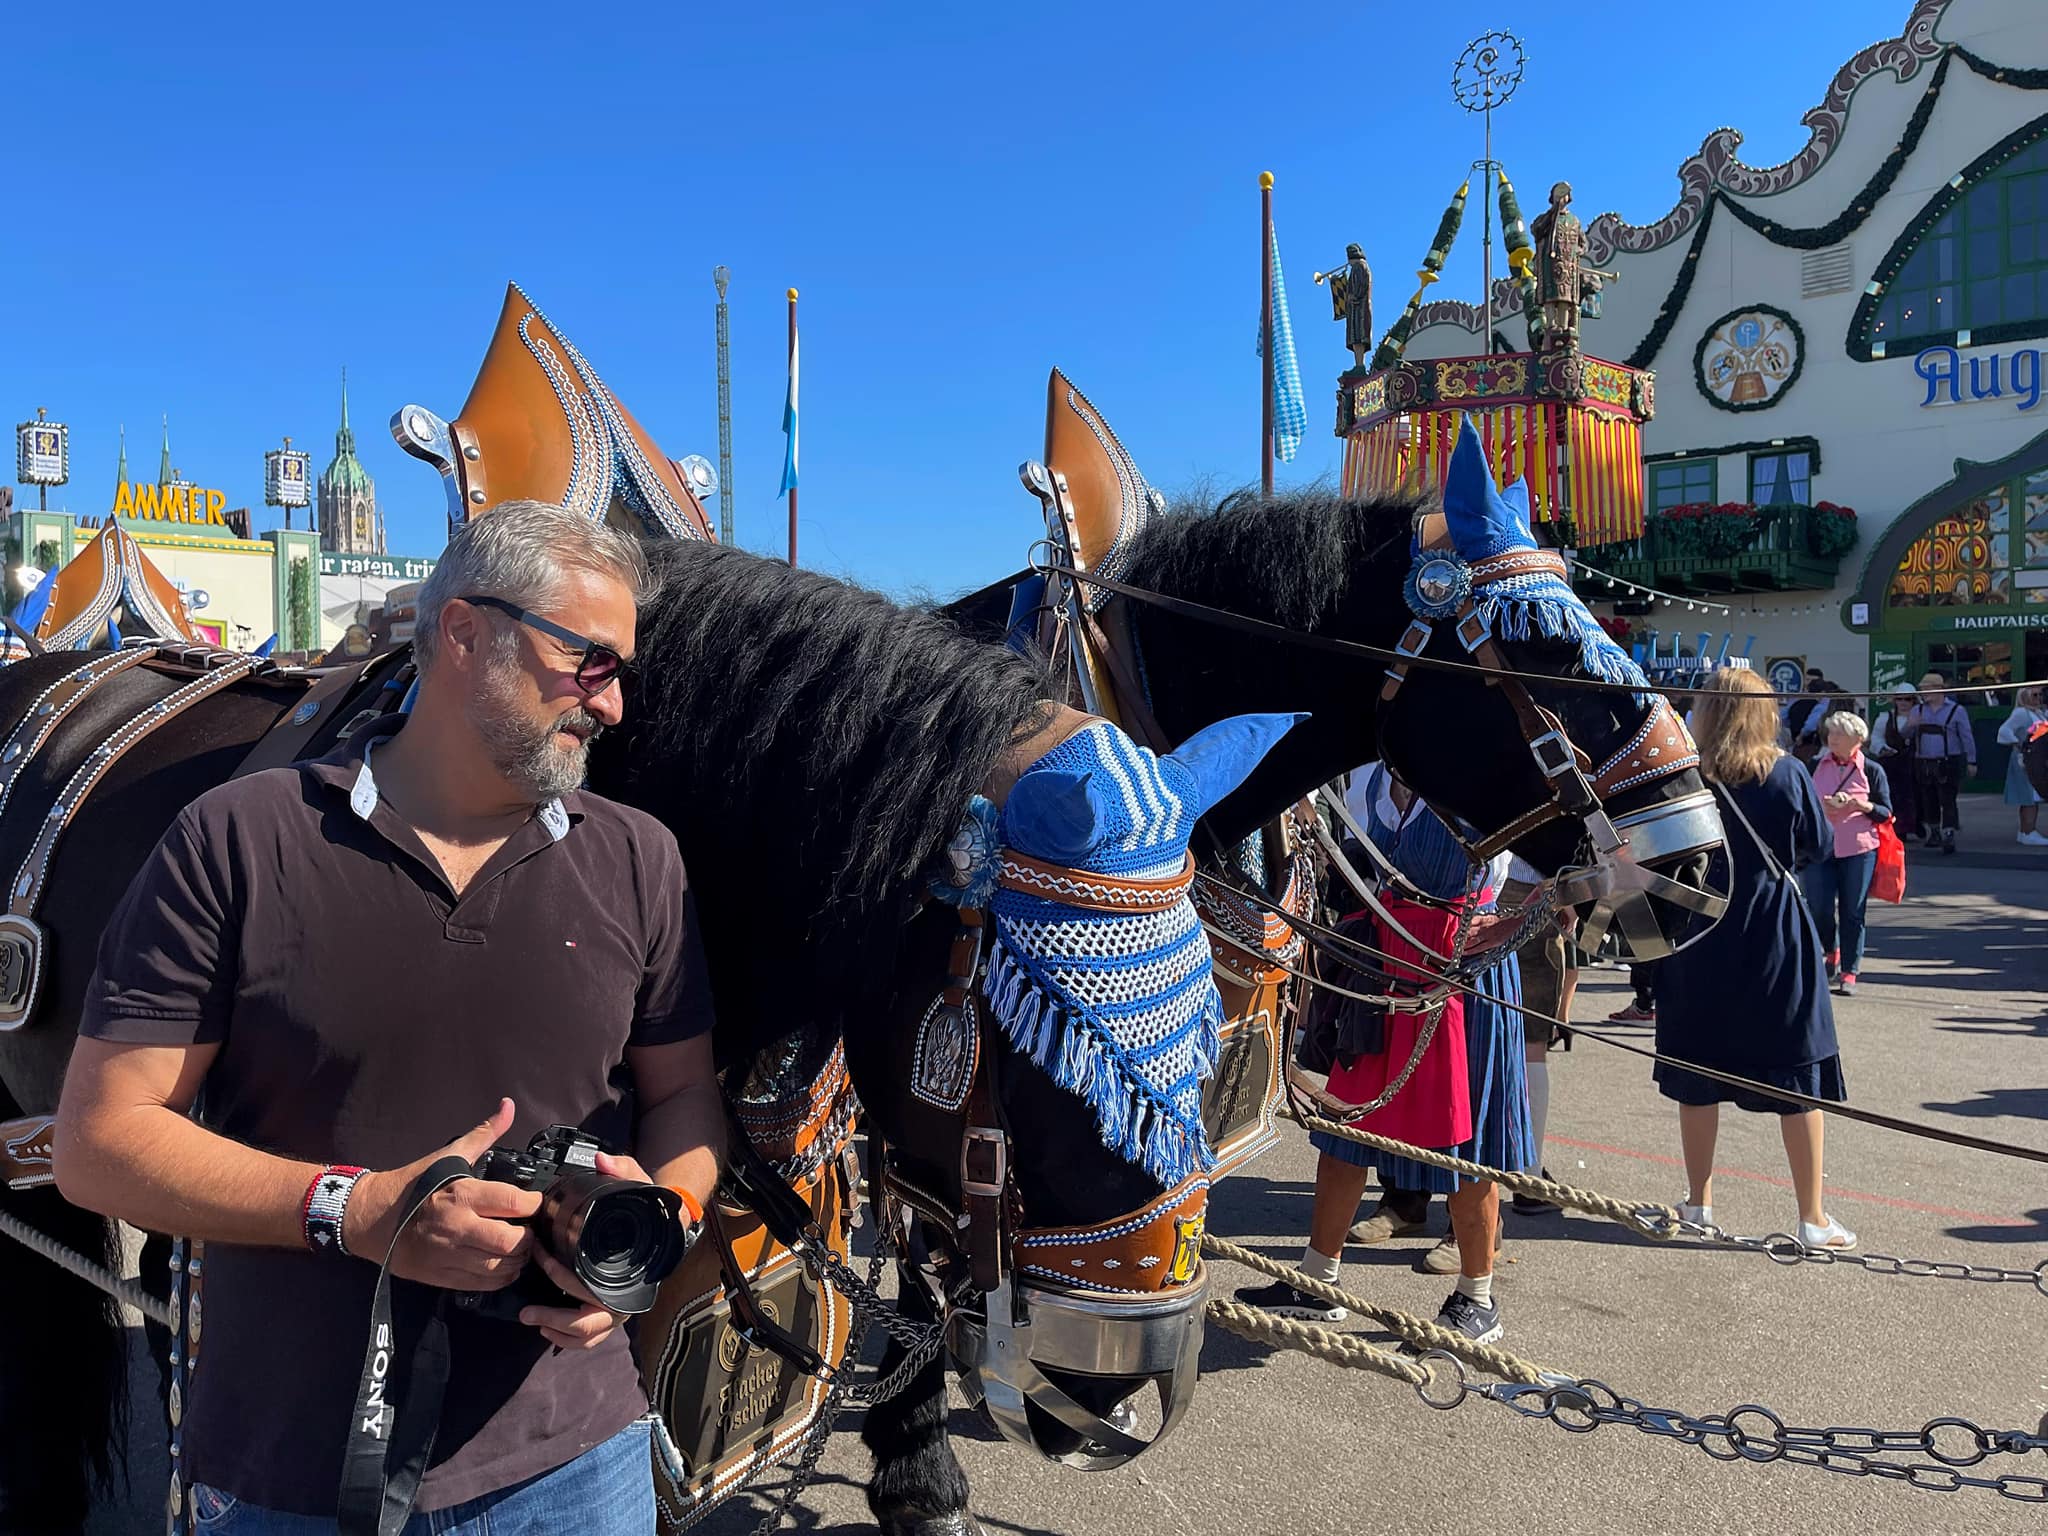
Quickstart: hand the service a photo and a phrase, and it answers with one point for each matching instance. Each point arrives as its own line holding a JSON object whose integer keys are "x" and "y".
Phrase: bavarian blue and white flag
{"x": 789, "y": 424}
{"x": 1290, "y": 409}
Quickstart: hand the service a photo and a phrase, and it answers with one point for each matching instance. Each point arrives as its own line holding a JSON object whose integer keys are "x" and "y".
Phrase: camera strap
{"x": 391, "y": 1430}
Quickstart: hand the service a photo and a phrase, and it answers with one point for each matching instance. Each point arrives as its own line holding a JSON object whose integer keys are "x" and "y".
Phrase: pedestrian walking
{"x": 1856, "y": 795}
{"x": 1944, "y": 754}
{"x": 1891, "y": 744}
{"x": 1465, "y": 1093}
{"x": 2029, "y": 712}
{"x": 1749, "y": 998}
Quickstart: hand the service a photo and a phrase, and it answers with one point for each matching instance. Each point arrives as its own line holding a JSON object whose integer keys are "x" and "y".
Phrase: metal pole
{"x": 792, "y": 427}
{"x": 721, "y": 276}
{"x": 1266, "y": 333}
{"x": 1486, "y": 247}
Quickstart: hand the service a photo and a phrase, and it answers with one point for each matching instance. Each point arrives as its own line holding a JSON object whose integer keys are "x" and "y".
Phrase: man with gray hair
{"x": 434, "y": 927}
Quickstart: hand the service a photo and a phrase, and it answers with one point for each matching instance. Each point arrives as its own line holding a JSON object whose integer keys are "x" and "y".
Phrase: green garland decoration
{"x": 1395, "y": 342}
{"x": 1860, "y": 345}
{"x": 1850, "y": 219}
{"x": 1699, "y": 359}
{"x": 1513, "y": 232}
{"x": 1667, "y": 313}
{"x": 1446, "y": 233}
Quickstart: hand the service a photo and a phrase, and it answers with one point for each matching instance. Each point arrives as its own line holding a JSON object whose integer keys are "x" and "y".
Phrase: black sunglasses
{"x": 599, "y": 666}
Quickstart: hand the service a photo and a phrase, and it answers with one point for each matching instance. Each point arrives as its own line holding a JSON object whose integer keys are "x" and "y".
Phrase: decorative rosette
{"x": 966, "y": 867}
{"x": 1437, "y": 583}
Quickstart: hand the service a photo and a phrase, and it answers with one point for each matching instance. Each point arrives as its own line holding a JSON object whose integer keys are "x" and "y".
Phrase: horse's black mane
{"x": 813, "y": 745}
{"x": 1300, "y": 551}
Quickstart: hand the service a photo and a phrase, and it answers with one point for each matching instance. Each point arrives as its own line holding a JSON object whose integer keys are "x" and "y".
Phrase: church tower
{"x": 350, "y": 523}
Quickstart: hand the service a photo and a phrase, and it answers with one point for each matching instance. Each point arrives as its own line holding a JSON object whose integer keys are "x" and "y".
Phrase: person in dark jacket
{"x": 1750, "y": 997}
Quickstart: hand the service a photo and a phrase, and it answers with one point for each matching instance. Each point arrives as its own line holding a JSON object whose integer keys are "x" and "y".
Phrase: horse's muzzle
{"x": 1651, "y": 912}
{"x": 1106, "y": 1347}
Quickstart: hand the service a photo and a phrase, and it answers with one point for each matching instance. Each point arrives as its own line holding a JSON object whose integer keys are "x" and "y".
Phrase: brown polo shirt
{"x": 367, "y": 1016}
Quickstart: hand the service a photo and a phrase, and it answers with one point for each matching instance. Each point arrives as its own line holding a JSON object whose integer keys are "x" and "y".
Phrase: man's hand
{"x": 588, "y": 1325}
{"x": 466, "y": 1237}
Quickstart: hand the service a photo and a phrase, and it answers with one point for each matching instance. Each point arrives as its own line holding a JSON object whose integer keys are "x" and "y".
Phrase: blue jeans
{"x": 607, "y": 1491}
{"x": 1841, "y": 882}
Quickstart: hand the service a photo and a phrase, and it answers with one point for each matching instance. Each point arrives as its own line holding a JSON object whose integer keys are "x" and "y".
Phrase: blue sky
{"x": 217, "y": 208}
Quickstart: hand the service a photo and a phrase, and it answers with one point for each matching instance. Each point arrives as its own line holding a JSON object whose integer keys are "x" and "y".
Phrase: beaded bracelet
{"x": 326, "y": 1201}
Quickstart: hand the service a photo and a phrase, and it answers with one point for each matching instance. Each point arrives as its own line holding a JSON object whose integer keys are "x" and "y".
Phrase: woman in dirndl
{"x": 1467, "y": 1094}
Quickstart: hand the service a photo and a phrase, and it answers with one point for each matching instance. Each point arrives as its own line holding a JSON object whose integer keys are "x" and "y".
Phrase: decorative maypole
{"x": 721, "y": 276}
{"x": 1485, "y": 77}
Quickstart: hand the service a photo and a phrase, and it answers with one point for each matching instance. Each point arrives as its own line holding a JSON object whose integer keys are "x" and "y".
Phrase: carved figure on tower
{"x": 1351, "y": 301}
{"x": 1565, "y": 286}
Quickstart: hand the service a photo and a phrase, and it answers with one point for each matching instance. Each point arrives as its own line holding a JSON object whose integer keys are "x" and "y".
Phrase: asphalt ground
{"x": 1949, "y": 1027}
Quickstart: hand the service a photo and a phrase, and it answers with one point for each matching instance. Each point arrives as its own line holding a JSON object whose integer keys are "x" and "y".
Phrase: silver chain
{"x": 1751, "y": 1432}
{"x": 921, "y": 1341}
{"x": 1784, "y": 1248}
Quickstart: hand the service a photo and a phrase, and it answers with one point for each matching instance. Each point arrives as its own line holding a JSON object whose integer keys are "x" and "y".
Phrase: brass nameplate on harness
{"x": 21, "y": 969}
{"x": 1239, "y": 1099}
{"x": 1187, "y": 1248}
{"x": 726, "y": 1392}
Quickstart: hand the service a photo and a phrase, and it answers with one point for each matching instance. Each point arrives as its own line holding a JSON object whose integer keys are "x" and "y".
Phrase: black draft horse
{"x": 812, "y": 746}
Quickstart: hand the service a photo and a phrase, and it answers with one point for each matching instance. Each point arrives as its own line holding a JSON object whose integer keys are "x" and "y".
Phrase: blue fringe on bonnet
{"x": 1081, "y": 1053}
{"x": 1544, "y": 606}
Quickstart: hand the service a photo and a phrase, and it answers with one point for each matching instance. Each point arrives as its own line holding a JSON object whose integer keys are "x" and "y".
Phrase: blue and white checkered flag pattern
{"x": 1290, "y": 407}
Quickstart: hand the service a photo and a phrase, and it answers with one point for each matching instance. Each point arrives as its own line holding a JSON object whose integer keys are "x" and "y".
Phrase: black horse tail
{"x": 63, "y": 1369}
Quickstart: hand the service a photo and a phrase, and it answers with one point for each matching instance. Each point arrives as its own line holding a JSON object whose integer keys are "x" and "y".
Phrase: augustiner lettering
{"x": 170, "y": 503}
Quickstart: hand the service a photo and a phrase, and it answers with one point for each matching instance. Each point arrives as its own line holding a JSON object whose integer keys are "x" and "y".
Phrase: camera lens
{"x": 621, "y": 1238}
{"x": 622, "y": 1235}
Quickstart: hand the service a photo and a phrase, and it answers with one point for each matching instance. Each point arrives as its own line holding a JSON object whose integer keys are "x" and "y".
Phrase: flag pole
{"x": 792, "y": 489}
{"x": 1266, "y": 333}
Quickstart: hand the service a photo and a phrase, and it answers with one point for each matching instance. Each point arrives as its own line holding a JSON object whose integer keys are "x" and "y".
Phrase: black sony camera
{"x": 620, "y": 1238}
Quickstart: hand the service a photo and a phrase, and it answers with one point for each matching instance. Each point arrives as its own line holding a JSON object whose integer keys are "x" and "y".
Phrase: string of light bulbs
{"x": 1651, "y": 594}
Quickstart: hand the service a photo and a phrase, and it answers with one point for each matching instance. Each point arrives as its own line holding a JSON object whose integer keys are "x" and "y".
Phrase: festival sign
{"x": 178, "y": 503}
{"x": 42, "y": 452}
{"x": 287, "y": 477}
{"x": 1995, "y": 376}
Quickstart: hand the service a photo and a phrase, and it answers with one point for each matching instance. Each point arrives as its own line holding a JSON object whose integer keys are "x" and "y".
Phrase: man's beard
{"x": 524, "y": 751}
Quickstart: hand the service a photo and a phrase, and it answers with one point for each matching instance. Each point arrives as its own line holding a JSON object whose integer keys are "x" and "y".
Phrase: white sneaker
{"x": 2034, "y": 839}
{"x": 1831, "y": 1235}
{"x": 1701, "y": 1215}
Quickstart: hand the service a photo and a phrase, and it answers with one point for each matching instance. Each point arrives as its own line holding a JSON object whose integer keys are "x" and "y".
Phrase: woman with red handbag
{"x": 1856, "y": 795}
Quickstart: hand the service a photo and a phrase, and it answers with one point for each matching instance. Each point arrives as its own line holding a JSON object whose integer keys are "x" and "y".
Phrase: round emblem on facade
{"x": 305, "y": 712}
{"x": 1437, "y": 585}
{"x": 1748, "y": 358}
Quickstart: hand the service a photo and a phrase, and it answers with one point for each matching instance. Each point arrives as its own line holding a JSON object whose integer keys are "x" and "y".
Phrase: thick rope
{"x": 1647, "y": 1218}
{"x": 1412, "y": 1329}
{"x": 92, "y": 1274}
{"x": 1263, "y": 1327}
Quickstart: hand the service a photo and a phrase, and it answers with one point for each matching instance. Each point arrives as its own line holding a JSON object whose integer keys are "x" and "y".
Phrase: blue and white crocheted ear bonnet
{"x": 1119, "y": 1007}
{"x": 1485, "y": 521}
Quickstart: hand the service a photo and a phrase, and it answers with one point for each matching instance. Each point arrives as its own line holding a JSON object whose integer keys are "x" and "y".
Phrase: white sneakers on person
{"x": 1832, "y": 1234}
{"x": 1699, "y": 1215}
{"x": 2032, "y": 840}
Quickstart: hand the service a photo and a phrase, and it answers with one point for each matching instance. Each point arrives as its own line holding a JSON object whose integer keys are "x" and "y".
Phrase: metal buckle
{"x": 1473, "y": 630}
{"x": 1553, "y": 754}
{"x": 1414, "y": 638}
{"x": 996, "y": 1147}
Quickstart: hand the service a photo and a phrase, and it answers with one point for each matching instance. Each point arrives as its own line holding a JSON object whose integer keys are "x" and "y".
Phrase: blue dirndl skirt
{"x": 1501, "y": 1137}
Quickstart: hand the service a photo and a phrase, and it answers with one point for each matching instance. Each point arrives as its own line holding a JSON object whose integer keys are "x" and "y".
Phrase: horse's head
{"x": 1049, "y": 1121}
{"x": 1604, "y": 791}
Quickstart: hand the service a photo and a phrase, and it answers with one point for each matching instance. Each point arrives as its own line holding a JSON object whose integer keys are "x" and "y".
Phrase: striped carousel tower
{"x": 1567, "y": 423}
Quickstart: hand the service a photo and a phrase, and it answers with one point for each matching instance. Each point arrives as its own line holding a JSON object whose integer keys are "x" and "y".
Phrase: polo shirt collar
{"x": 556, "y": 815}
